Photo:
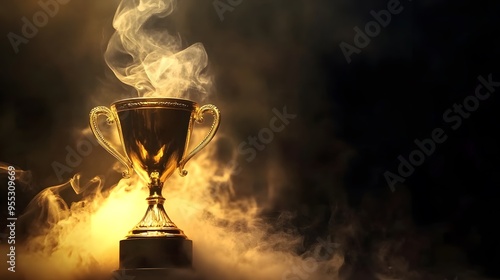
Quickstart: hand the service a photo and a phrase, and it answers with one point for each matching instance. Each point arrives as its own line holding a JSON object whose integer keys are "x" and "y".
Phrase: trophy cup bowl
{"x": 155, "y": 134}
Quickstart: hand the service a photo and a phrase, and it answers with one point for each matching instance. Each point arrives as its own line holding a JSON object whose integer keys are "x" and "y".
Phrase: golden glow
{"x": 142, "y": 151}
{"x": 84, "y": 237}
{"x": 159, "y": 154}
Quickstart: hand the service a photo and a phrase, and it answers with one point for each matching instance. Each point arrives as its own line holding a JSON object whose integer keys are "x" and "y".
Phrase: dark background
{"x": 353, "y": 119}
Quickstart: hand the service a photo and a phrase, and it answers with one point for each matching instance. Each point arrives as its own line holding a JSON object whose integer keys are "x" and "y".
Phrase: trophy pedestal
{"x": 155, "y": 258}
{"x": 156, "y": 252}
{"x": 155, "y": 274}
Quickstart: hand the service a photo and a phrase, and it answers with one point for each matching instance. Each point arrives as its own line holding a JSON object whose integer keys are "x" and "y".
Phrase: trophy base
{"x": 155, "y": 254}
{"x": 155, "y": 274}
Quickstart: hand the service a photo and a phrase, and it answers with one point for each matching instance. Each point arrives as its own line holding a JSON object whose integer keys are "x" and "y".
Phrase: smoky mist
{"x": 306, "y": 200}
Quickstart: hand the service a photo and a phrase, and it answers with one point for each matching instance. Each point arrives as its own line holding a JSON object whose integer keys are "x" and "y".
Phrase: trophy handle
{"x": 94, "y": 115}
{"x": 199, "y": 119}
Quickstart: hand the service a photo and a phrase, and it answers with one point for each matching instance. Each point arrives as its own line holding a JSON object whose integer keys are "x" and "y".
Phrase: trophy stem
{"x": 156, "y": 222}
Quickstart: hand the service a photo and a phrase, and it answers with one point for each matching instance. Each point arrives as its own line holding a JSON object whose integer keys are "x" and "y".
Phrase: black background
{"x": 353, "y": 119}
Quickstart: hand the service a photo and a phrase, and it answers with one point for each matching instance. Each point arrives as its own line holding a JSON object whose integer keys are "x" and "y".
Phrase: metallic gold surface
{"x": 155, "y": 134}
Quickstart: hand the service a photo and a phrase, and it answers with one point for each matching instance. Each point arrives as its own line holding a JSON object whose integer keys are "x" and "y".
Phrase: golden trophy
{"x": 154, "y": 134}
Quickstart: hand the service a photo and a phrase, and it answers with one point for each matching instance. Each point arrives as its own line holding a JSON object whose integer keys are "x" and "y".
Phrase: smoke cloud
{"x": 143, "y": 54}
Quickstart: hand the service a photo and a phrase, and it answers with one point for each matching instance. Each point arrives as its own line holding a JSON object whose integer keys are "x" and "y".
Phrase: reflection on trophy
{"x": 155, "y": 135}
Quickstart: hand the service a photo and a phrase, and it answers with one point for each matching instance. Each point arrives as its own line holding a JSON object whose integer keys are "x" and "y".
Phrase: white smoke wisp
{"x": 146, "y": 56}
